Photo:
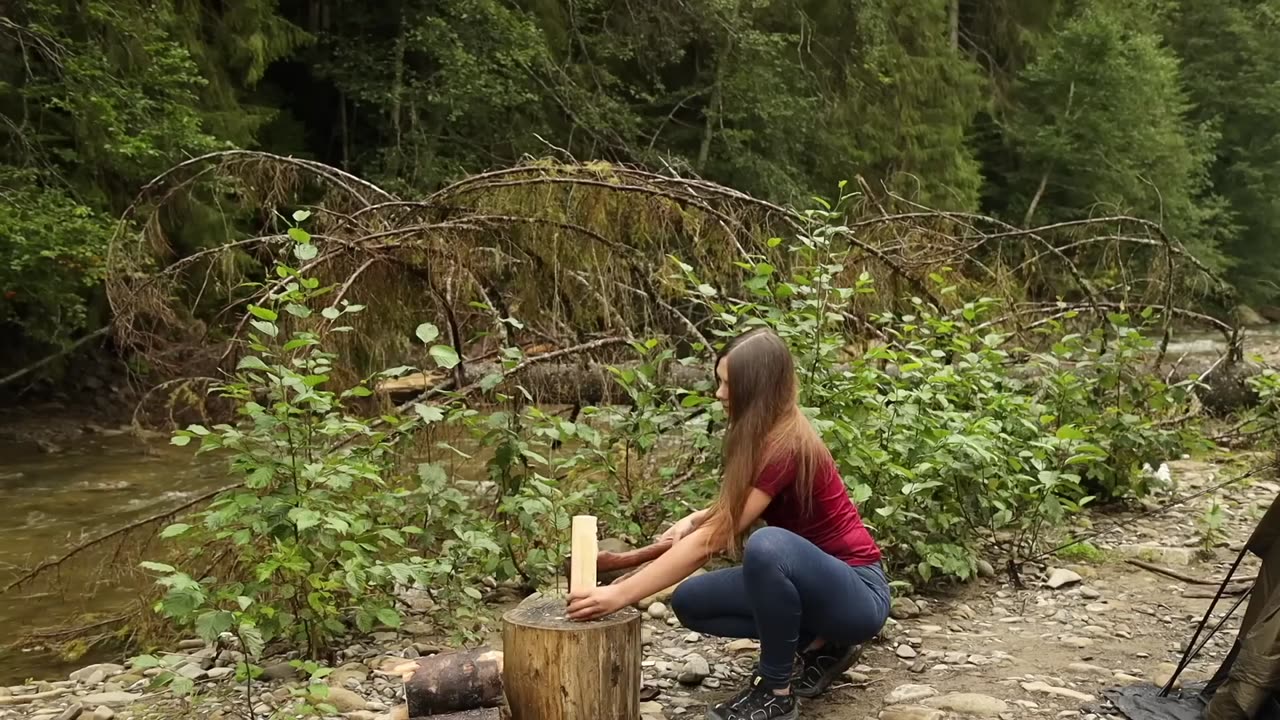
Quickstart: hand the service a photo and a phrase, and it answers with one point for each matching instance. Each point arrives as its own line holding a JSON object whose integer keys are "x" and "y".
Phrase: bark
{"x": 454, "y": 682}
{"x": 559, "y": 669}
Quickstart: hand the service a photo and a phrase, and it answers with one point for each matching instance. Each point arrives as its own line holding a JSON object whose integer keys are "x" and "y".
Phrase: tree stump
{"x": 558, "y": 669}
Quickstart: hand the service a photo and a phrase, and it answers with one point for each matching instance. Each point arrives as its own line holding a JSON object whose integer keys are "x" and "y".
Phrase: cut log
{"x": 455, "y": 681}
{"x": 559, "y": 669}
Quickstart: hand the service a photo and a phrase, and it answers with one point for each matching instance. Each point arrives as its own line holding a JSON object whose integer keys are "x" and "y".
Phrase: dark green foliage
{"x": 1032, "y": 111}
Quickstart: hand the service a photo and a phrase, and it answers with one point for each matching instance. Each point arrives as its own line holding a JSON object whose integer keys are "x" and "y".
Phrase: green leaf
{"x": 444, "y": 356}
{"x": 427, "y": 333}
{"x": 266, "y": 328}
{"x": 299, "y": 235}
{"x": 300, "y": 216}
{"x": 305, "y": 251}
{"x": 180, "y": 440}
{"x": 331, "y": 313}
{"x": 251, "y": 362}
{"x": 157, "y": 567}
{"x": 388, "y": 617}
{"x": 175, "y": 530}
{"x": 263, "y": 313}
{"x": 428, "y": 413}
{"x": 304, "y": 518}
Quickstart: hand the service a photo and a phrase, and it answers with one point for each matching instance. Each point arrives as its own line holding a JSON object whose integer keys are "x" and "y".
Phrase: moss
{"x": 1083, "y": 551}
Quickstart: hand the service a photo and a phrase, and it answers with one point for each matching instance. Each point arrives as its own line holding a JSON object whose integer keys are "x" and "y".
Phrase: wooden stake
{"x": 583, "y": 548}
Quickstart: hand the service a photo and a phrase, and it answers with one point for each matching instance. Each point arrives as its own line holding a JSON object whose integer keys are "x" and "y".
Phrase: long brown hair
{"x": 765, "y": 425}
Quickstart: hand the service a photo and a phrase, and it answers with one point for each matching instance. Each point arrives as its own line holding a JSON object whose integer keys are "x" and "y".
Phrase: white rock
{"x": 103, "y": 713}
{"x": 906, "y": 652}
{"x": 694, "y": 671}
{"x": 657, "y": 611}
{"x": 1047, "y": 689}
{"x": 220, "y": 672}
{"x": 969, "y": 704}
{"x": 911, "y": 712}
{"x": 104, "y": 670}
{"x": 111, "y": 698}
{"x": 1061, "y": 577}
{"x": 743, "y": 645}
{"x": 906, "y": 694}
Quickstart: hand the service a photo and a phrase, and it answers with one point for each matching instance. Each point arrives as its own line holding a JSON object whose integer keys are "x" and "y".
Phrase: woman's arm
{"x": 688, "y": 554}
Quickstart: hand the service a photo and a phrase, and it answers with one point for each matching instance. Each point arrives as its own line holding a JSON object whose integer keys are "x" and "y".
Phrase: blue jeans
{"x": 786, "y": 593}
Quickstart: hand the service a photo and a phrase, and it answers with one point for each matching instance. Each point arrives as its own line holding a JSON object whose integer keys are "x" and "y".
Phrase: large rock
{"x": 1160, "y": 554}
{"x": 907, "y": 694}
{"x": 111, "y": 698}
{"x": 359, "y": 672}
{"x": 101, "y": 670}
{"x": 911, "y": 712}
{"x": 902, "y": 608}
{"x": 1047, "y": 689}
{"x": 345, "y": 700}
{"x": 1061, "y": 577}
{"x": 969, "y": 704}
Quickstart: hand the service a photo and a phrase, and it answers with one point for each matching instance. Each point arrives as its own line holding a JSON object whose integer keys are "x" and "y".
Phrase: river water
{"x": 50, "y": 503}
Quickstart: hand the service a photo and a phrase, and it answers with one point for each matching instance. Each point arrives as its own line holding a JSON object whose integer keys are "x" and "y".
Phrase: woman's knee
{"x": 766, "y": 547}
{"x": 687, "y": 602}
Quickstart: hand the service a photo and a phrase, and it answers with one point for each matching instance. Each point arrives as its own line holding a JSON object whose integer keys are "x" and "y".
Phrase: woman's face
{"x": 722, "y": 392}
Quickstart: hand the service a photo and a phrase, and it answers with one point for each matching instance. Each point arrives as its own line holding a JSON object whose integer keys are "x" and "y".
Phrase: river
{"x": 49, "y": 503}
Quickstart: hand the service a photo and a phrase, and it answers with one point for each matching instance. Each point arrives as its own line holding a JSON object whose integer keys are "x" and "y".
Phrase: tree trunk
{"x": 558, "y": 669}
{"x": 954, "y": 20}
{"x": 455, "y": 681}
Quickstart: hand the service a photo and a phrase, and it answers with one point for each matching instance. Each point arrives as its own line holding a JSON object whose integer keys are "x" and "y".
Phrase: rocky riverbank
{"x": 1085, "y": 622}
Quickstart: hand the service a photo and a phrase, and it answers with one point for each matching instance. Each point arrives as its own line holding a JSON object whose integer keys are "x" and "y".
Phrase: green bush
{"x": 952, "y": 440}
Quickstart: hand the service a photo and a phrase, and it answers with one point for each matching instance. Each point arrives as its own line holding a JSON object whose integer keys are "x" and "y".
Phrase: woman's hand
{"x": 596, "y": 602}
{"x": 683, "y": 527}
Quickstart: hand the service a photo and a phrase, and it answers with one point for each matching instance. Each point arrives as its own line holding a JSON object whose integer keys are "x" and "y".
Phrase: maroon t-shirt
{"x": 832, "y": 523}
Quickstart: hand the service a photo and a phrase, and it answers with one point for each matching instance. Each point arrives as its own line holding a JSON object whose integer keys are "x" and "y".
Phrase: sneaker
{"x": 816, "y": 669}
{"x": 756, "y": 702}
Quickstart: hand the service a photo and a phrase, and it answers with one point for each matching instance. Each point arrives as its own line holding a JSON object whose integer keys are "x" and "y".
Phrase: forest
{"x": 1030, "y": 112}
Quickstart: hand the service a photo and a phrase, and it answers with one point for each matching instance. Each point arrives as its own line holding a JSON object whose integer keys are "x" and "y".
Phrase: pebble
{"x": 743, "y": 645}
{"x": 694, "y": 671}
{"x": 657, "y": 611}
{"x": 1077, "y": 642}
{"x": 72, "y": 712}
{"x": 220, "y": 672}
{"x": 103, "y": 713}
{"x": 906, "y": 652}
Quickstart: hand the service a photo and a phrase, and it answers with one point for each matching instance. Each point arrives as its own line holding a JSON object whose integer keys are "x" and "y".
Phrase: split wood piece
{"x": 1160, "y": 570}
{"x": 583, "y": 553}
{"x": 559, "y": 669}
{"x": 454, "y": 681}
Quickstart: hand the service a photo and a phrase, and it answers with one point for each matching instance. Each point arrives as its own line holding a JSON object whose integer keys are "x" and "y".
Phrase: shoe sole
{"x": 793, "y": 715}
{"x": 831, "y": 674}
